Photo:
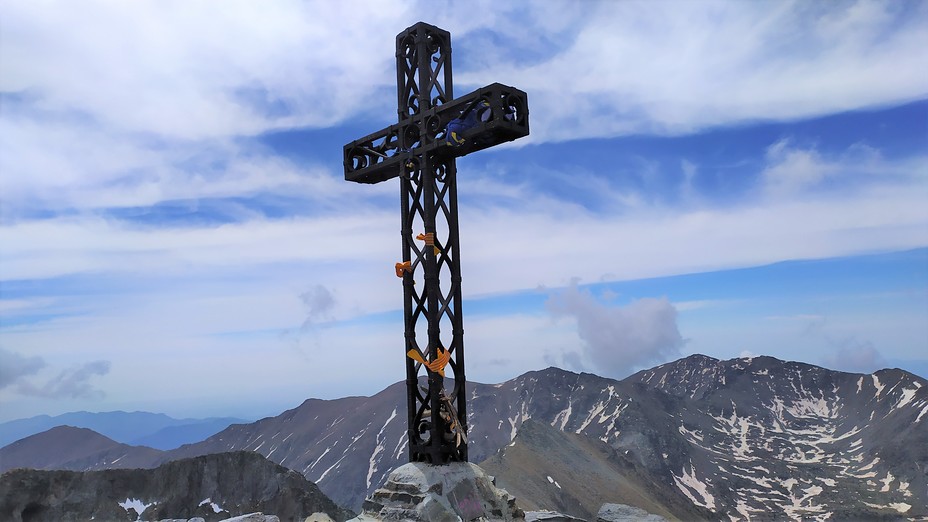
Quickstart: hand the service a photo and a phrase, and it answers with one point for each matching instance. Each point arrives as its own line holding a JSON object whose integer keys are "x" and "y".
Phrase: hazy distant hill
{"x": 741, "y": 438}
{"x": 67, "y": 447}
{"x": 155, "y": 430}
{"x": 193, "y": 431}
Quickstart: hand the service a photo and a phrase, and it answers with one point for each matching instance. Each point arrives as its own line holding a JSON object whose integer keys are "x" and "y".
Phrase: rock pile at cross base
{"x": 462, "y": 491}
{"x": 448, "y": 493}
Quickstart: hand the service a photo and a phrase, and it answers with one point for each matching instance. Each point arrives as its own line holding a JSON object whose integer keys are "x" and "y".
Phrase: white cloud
{"x": 658, "y": 242}
{"x": 189, "y": 70}
{"x": 677, "y": 67}
{"x": 71, "y": 383}
{"x": 884, "y": 212}
{"x": 50, "y": 248}
{"x": 318, "y": 302}
{"x": 194, "y": 69}
{"x": 686, "y": 306}
{"x": 15, "y": 366}
{"x": 66, "y": 166}
{"x": 618, "y": 339}
{"x": 855, "y": 356}
{"x": 792, "y": 170}
{"x": 18, "y": 373}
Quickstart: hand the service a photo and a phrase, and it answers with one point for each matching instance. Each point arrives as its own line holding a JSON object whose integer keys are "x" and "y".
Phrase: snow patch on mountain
{"x": 209, "y": 501}
{"x": 372, "y": 468}
{"x": 136, "y": 504}
{"x": 695, "y": 489}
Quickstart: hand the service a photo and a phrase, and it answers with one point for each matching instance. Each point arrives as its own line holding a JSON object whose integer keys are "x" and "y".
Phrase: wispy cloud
{"x": 19, "y": 372}
{"x": 240, "y": 70}
{"x": 14, "y": 367}
{"x": 881, "y": 213}
{"x": 72, "y": 383}
{"x": 73, "y": 168}
{"x": 720, "y": 63}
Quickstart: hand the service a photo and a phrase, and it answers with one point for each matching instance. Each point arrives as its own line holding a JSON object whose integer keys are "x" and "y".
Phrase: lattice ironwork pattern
{"x": 433, "y": 129}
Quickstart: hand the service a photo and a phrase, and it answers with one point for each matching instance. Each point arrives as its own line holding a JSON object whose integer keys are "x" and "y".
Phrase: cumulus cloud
{"x": 855, "y": 356}
{"x": 319, "y": 303}
{"x": 14, "y": 366}
{"x": 791, "y": 170}
{"x": 618, "y": 339}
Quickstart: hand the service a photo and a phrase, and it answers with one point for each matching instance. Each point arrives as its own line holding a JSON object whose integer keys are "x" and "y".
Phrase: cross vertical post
{"x": 433, "y": 129}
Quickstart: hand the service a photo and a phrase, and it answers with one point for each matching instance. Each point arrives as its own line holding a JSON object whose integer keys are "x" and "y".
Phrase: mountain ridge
{"x": 740, "y": 437}
{"x": 212, "y": 487}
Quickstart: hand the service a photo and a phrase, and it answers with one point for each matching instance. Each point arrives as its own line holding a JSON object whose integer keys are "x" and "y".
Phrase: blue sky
{"x": 726, "y": 178}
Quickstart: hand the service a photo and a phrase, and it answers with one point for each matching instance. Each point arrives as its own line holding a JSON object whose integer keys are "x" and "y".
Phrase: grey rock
{"x": 454, "y": 492}
{"x": 623, "y": 513}
{"x": 254, "y": 517}
{"x": 550, "y": 516}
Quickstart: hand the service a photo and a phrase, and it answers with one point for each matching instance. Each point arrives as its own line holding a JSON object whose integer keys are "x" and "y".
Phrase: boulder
{"x": 254, "y": 517}
{"x": 550, "y": 516}
{"x": 623, "y": 513}
{"x": 454, "y": 492}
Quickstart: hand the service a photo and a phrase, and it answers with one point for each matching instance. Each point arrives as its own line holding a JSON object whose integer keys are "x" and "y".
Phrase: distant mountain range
{"x": 154, "y": 430}
{"x": 697, "y": 438}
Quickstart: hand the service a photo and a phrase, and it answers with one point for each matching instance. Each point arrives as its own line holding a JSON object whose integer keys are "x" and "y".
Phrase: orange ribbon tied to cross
{"x": 405, "y": 266}
{"x": 429, "y": 238}
{"x": 437, "y": 365}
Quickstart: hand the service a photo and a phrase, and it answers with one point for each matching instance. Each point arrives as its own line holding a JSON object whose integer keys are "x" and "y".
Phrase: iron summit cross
{"x": 434, "y": 128}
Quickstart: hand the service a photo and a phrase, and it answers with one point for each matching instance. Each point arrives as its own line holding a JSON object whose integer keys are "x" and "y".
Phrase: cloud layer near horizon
{"x": 140, "y": 193}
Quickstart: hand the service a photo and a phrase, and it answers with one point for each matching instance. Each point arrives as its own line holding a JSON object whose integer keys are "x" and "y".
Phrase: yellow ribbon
{"x": 436, "y": 366}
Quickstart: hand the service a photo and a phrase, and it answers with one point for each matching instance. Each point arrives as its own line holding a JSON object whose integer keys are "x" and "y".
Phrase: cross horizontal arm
{"x": 486, "y": 117}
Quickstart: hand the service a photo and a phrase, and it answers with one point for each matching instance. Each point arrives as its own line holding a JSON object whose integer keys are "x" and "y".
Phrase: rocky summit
{"x": 447, "y": 493}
